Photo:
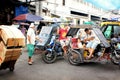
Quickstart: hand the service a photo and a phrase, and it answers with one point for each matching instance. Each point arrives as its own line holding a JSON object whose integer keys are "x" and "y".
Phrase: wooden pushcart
{"x": 11, "y": 43}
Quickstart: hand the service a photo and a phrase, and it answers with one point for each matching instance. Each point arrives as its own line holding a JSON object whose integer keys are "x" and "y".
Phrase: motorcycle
{"x": 50, "y": 46}
{"x": 104, "y": 51}
{"x": 53, "y": 50}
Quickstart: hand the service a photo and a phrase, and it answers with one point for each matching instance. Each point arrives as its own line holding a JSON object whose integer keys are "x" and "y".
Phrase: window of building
{"x": 81, "y": 1}
{"x": 63, "y": 2}
{"x": 78, "y": 22}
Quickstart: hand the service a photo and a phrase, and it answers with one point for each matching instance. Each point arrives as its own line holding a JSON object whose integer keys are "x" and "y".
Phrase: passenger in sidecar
{"x": 92, "y": 41}
{"x": 87, "y": 40}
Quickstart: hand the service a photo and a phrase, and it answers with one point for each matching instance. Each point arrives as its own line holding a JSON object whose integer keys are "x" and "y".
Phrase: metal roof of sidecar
{"x": 85, "y": 26}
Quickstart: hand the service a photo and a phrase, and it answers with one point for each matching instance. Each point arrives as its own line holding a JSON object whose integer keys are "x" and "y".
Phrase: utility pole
{"x": 55, "y": 7}
{"x": 89, "y": 16}
{"x": 39, "y": 8}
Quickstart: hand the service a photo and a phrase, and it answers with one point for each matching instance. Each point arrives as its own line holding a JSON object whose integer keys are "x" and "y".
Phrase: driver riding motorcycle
{"x": 62, "y": 37}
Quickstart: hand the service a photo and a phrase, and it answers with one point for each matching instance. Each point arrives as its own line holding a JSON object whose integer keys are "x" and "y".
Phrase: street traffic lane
{"x": 60, "y": 70}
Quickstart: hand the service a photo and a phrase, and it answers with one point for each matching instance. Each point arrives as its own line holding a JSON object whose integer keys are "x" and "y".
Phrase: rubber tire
{"x": 71, "y": 61}
{"x": 113, "y": 61}
{"x": 44, "y": 57}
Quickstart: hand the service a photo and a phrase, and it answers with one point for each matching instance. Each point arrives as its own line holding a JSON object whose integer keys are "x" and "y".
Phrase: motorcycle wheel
{"x": 49, "y": 57}
{"x": 75, "y": 57}
{"x": 115, "y": 61}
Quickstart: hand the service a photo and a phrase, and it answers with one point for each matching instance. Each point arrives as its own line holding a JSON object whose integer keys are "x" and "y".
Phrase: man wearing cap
{"x": 30, "y": 42}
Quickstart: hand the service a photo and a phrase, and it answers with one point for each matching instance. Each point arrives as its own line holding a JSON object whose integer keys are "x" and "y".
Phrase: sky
{"x": 106, "y": 4}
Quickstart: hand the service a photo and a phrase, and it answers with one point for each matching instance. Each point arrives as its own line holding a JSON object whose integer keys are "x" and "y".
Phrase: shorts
{"x": 64, "y": 43}
{"x": 92, "y": 44}
{"x": 80, "y": 45}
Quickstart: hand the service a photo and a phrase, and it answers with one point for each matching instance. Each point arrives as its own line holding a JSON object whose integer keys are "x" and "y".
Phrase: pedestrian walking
{"x": 30, "y": 42}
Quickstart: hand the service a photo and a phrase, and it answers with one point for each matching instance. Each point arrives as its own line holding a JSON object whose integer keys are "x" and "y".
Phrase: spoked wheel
{"x": 115, "y": 61}
{"x": 115, "y": 58}
{"x": 49, "y": 57}
{"x": 75, "y": 57}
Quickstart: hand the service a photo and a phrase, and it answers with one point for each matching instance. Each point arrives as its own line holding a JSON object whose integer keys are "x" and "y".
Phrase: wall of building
{"x": 59, "y": 8}
{"x": 79, "y": 6}
{"x": 7, "y": 10}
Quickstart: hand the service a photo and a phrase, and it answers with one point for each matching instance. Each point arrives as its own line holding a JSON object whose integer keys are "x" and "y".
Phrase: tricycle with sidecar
{"x": 104, "y": 51}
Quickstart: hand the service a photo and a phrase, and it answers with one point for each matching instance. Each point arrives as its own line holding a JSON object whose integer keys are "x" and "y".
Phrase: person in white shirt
{"x": 30, "y": 42}
{"x": 92, "y": 41}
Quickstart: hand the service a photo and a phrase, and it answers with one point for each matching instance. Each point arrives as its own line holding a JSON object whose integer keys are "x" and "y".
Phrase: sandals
{"x": 89, "y": 57}
{"x": 30, "y": 63}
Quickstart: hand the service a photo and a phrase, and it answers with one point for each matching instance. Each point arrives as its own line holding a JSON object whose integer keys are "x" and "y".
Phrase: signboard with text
{"x": 44, "y": 35}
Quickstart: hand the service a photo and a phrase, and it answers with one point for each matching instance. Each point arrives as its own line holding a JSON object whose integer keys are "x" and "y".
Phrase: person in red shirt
{"x": 62, "y": 33}
{"x": 62, "y": 37}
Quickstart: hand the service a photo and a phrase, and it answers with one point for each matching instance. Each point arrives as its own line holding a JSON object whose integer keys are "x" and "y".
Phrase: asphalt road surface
{"x": 60, "y": 70}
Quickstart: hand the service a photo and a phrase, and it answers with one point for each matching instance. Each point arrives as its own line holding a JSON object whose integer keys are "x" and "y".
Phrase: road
{"x": 60, "y": 70}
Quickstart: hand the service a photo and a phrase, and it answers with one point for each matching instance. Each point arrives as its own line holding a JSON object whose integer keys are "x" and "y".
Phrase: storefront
{"x": 7, "y": 10}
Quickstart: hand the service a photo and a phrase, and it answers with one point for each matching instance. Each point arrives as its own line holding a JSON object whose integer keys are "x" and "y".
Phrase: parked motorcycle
{"x": 53, "y": 50}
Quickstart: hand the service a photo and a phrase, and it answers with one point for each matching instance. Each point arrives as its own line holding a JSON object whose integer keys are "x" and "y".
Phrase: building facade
{"x": 9, "y": 9}
{"x": 79, "y": 10}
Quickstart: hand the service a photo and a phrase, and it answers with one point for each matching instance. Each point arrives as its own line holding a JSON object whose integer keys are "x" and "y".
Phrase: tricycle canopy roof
{"x": 96, "y": 29}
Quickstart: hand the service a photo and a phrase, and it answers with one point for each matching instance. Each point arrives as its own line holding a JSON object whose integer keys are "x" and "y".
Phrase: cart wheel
{"x": 11, "y": 69}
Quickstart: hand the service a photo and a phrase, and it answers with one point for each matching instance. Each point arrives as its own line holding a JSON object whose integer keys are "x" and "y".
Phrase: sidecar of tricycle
{"x": 78, "y": 54}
